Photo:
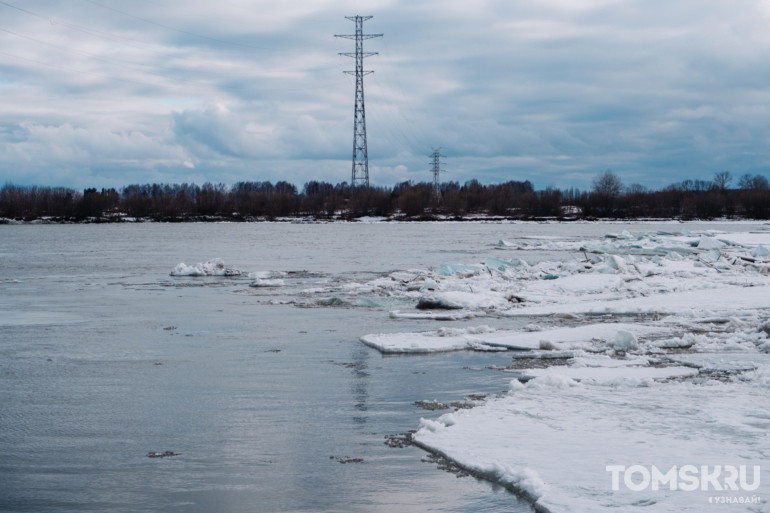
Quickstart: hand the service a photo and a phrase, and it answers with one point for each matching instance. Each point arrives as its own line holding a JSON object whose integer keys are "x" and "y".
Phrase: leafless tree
{"x": 722, "y": 180}
{"x": 607, "y": 184}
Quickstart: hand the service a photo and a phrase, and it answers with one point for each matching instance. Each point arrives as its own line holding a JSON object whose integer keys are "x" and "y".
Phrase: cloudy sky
{"x": 107, "y": 93}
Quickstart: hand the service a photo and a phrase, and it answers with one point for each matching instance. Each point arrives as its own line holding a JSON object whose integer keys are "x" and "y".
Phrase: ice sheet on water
{"x": 640, "y": 273}
{"x": 442, "y": 340}
{"x": 685, "y": 392}
{"x": 721, "y": 362}
{"x": 599, "y": 410}
{"x": 267, "y": 275}
{"x": 267, "y": 283}
{"x": 749, "y": 340}
{"x": 688, "y": 303}
{"x": 214, "y": 267}
{"x": 458, "y": 299}
{"x": 446, "y": 339}
{"x": 444, "y": 315}
{"x": 616, "y": 376}
{"x": 567, "y": 433}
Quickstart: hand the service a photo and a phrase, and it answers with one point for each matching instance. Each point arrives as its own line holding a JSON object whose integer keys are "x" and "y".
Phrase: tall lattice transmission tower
{"x": 360, "y": 174}
{"x": 436, "y": 168}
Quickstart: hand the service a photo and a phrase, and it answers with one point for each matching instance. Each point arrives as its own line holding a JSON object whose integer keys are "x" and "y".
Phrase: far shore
{"x": 341, "y": 218}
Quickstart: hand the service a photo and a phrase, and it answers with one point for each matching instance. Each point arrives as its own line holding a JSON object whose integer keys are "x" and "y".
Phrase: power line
{"x": 173, "y": 29}
{"x": 70, "y": 51}
{"x": 90, "y": 32}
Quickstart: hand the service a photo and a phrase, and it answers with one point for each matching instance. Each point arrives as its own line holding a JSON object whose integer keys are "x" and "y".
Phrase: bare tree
{"x": 722, "y": 180}
{"x": 753, "y": 183}
{"x": 607, "y": 184}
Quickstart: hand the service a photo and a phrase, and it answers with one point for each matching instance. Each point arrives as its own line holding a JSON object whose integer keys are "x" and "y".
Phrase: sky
{"x": 107, "y": 93}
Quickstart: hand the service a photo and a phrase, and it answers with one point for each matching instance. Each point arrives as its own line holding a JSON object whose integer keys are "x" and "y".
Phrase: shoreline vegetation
{"x": 608, "y": 198}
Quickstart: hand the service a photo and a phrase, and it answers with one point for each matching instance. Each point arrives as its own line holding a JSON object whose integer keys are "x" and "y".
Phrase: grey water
{"x": 270, "y": 405}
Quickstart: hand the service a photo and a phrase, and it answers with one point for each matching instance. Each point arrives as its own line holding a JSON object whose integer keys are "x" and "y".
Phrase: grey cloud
{"x": 551, "y": 90}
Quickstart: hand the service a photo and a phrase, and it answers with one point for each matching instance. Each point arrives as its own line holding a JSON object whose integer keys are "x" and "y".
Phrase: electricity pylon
{"x": 436, "y": 168}
{"x": 360, "y": 175}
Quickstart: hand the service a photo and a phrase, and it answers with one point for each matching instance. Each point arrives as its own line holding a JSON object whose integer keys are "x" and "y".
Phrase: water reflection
{"x": 360, "y": 384}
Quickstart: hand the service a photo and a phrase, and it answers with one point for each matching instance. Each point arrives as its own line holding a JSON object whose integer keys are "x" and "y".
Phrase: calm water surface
{"x": 104, "y": 357}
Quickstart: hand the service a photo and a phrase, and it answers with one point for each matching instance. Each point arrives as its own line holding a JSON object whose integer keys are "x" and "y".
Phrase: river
{"x": 269, "y": 402}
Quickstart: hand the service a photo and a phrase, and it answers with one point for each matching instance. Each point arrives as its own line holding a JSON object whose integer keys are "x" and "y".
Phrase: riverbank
{"x": 123, "y": 219}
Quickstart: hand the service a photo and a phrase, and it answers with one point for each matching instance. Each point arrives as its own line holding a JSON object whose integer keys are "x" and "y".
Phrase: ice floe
{"x": 214, "y": 267}
{"x": 575, "y": 428}
{"x": 437, "y": 316}
{"x": 269, "y": 283}
{"x": 682, "y": 382}
{"x": 564, "y": 434}
{"x": 455, "y": 339}
{"x": 615, "y": 375}
{"x": 623, "y": 273}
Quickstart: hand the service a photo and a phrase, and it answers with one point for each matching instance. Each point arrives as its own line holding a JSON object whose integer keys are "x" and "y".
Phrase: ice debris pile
{"x": 653, "y": 355}
{"x": 267, "y": 279}
{"x": 214, "y": 267}
{"x": 649, "y": 273}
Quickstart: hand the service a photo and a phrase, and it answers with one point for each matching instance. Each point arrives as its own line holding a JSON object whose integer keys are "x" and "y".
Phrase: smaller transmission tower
{"x": 436, "y": 168}
{"x": 360, "y": 174}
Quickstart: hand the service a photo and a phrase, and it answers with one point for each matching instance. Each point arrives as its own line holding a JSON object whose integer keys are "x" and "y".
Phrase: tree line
{"x": 748, "y": 197}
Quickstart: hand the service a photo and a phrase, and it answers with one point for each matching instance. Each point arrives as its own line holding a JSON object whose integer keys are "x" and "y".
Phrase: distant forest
{"x": 748, "y": 197}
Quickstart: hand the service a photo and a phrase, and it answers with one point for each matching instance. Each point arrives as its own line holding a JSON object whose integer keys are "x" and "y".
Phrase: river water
{"x": 270, "y": 405}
